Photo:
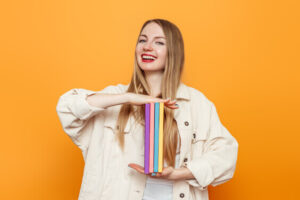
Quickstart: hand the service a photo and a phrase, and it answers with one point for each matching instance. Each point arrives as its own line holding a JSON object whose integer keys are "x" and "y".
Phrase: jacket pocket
{"x": 89, "y": 182}
{"x": 198, "y": 143}
{"x": 111, "y": 123}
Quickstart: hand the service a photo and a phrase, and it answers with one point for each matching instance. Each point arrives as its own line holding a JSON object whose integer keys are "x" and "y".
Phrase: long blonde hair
{"x": 170, "y": 83}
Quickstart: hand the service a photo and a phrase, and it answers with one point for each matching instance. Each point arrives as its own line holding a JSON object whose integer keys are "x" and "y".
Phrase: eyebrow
{"x": 154, "y": 37}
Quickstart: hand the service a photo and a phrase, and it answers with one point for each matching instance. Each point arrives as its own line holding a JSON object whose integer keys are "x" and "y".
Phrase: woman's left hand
{"x": 168, "y": 172}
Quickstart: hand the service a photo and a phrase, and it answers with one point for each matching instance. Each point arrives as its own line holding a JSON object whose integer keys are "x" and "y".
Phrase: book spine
{"x": 156, "y": 136}
{"x": 151, "y": 137}
{"x": 161, "y": 137}
{"x": 147, "y": 138}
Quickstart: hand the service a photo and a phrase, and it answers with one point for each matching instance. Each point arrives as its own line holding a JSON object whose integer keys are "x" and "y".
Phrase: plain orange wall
{"x": 243, "y": 55}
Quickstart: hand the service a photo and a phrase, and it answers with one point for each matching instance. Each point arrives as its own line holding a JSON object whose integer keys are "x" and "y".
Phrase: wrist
{"x": 127, "y": 97}
{"x": 184, "y": 173}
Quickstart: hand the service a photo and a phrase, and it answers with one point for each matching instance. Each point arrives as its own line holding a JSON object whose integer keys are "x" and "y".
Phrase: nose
{"x": 147, "y": 46}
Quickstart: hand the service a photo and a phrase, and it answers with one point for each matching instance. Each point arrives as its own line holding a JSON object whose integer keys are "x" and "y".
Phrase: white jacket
{"x": 208, "y": 150}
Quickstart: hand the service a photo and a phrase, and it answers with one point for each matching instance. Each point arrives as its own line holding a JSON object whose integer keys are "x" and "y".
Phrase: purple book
{"x": 147, "y": 138}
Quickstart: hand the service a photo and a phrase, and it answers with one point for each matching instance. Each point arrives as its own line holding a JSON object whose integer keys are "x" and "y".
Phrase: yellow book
{"x": 161, "y": 137}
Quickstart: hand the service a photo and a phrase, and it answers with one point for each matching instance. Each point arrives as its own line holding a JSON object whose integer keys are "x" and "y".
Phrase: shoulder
{"x": 115, "y": 89}
{"x": 198, "y": 97}
{"x": 110, "y": 89}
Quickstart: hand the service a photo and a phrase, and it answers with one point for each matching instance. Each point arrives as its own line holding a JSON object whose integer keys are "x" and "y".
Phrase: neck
{"x": 154, "y": 79}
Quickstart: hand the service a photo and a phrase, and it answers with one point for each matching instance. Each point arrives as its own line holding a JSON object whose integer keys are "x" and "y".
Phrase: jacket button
{"x": 181, "y": 195}
{"x": 186, "y": 123}
{"x": 185, "y": 160}
{"x": 194, "y": 135}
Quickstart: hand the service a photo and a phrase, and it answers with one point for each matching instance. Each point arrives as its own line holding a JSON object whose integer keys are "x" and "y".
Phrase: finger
{"x": 136, "y": 167}
{"x": 157, "y": 175}
{"x": 166, "y": 101}
{"x": 154, "y": 176}
{"x": 171, "y": 102}
{"x": 172, "y": 107}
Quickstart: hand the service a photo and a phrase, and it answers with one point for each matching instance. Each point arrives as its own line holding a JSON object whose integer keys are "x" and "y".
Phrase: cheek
{"x": 138, "y": 48}
{"x": 163, "y": 53}
{"x": 137, "y": 52}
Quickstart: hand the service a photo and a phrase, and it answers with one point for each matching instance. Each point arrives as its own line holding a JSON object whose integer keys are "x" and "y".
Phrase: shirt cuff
{"x": 81, "y": 108}
{"x": 202, "y": 172}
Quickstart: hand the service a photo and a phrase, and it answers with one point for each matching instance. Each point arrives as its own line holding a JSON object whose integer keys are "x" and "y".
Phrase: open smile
{"x": 147, "y": 58}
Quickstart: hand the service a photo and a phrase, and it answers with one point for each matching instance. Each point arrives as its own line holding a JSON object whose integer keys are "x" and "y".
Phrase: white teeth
{"x": 148, "y": 57}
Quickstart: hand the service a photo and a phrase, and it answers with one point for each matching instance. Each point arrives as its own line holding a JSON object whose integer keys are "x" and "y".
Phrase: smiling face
{"x": 151, "y": 49}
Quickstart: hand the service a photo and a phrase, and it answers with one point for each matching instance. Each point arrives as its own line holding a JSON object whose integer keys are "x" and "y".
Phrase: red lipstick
{"x": 148, "y": 58}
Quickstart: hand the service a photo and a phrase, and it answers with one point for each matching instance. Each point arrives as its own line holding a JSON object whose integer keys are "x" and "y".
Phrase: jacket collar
{"x": 182, "y": 92}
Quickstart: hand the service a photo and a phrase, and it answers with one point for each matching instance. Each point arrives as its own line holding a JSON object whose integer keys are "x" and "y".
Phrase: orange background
{"x": 243, "y": 55}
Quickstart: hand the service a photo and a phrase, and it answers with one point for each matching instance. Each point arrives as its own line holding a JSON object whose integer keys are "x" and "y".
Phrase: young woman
{"x": 108, "y": 127}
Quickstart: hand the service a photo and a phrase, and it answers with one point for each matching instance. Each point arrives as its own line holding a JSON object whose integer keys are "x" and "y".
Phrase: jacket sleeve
{"x": 218, "y": 162}
{"x": 75, "y": 113}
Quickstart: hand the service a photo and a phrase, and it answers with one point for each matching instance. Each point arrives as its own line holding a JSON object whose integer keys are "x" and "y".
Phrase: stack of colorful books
{"x": 154, "y": 119}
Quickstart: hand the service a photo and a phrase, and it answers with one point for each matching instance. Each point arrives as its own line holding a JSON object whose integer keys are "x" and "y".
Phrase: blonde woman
{"x": 108, "y": 127}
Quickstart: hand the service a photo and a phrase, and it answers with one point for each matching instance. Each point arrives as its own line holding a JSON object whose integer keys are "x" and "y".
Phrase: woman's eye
{"x": 160, "y": 43}
{"x": 141, "y": 40}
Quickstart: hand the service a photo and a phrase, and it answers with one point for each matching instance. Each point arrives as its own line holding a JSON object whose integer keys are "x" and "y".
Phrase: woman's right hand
{"x": 139, "y": 99}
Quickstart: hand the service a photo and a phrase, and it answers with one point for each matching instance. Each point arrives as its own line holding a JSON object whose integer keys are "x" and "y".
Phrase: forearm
{"x": 102, "y": 100}
{"x": 184, "y": 173}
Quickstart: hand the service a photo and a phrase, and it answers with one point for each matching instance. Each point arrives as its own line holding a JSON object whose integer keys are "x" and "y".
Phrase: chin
{"x": 148, "y": 67}
{"x": 151, "y": 69}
